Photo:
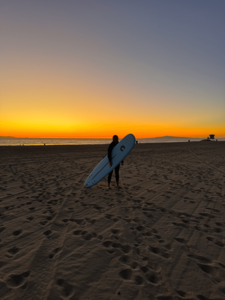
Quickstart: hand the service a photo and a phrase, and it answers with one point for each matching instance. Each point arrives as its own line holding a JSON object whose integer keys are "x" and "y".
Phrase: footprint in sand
{"x": 126, "y": 274}
{"x": 153, "y": 277}
{"x": 66, "y": 288}
{"x": 87, "y": 235}
{"x": 125, "y": 259}
{"x": 43, "y": 222}
{"x": 17, "y": 280}
{"x": 217, "y": 229}
{"x": 180, "y": 240}
{"x": 115, "y": 234}
{"x": 181, "y": 293}
{"x": 47, "y": 232}
{"x": 77, "y": 232}
{"x": 65, "y": 221}
{"x": 218, "y": 223}
{"x": 54, "y": 252}
{"x": 215, "y": 241}
{"x": 207, "y": 266}
{"x": 138, "y": 280}
{"x": 108, "y": 216}
{"x": 92, "y": 221}
{"x": 206, "y": 215}
{"x": 2, "y": 229}
{"x": 180, "y": 224}
{"x": 134, "y": 265}
{"x": 17, "y": 232}
{"x": 200, "y": 258}
{"x": 79, "y": 221}
{"x": 115, "y": 231}
{"x": 123, "y": 248}
{"x": 13, "y": 250}
{"x": 159, "y": 251}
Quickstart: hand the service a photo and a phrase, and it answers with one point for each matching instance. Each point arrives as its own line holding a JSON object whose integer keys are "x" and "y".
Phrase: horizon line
{"x": 98, "y": 138}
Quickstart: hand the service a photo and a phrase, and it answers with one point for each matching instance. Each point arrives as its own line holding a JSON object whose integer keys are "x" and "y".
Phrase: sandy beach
{"x": 162, "y": 236}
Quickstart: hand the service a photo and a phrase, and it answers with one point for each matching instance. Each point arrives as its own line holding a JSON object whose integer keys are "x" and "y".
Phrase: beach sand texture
{"x": 162, "y": 236}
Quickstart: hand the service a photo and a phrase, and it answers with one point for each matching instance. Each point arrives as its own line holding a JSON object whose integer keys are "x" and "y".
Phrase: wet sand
{"x": 162, "y": 236}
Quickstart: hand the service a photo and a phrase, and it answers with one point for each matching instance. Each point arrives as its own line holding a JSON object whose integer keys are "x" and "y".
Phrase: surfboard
{"x": 119, "y": 152}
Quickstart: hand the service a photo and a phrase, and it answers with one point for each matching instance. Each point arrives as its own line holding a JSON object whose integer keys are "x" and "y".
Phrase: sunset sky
{"x": 95, "y": 68}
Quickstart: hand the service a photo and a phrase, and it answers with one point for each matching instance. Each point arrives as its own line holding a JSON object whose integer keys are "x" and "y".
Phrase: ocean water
{"x": 54, "y": 141}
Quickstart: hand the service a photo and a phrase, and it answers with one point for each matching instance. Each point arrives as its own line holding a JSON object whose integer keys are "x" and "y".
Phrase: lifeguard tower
{"x": 212, "y": 136}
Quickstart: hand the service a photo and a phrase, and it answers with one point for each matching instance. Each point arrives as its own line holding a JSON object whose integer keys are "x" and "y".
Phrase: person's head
{"x": 115, "y": 139}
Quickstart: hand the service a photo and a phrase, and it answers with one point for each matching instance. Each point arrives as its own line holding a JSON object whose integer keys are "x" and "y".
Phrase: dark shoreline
{"x": 8, "y": 151}
{"x": 90, "y": 145}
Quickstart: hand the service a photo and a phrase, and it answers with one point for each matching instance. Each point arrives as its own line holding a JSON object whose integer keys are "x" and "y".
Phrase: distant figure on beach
{"x": 117, "y": 168}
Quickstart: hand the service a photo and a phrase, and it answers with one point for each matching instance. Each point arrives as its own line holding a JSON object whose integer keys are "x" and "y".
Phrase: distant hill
{"x": 171, "y": 137}
{"x": 7, "y": 137}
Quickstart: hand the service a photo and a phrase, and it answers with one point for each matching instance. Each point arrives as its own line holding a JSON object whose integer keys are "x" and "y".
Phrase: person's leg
{"x": 109, "y": 178}
{"x": 117, "y": 174}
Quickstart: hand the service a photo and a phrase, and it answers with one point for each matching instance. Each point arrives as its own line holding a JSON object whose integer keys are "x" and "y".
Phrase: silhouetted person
{"x": 117, "y": 168}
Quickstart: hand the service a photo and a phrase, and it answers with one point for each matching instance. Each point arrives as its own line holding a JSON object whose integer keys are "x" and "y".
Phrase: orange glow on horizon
{"x": 84, "y": 125}
{"x": 36, "y": 107}
{"x": 107, "y": 131}
{"x": 59, "y": 111}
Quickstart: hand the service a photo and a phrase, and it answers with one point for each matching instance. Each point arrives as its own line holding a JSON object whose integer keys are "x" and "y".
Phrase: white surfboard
{"x": 119, "y": 152}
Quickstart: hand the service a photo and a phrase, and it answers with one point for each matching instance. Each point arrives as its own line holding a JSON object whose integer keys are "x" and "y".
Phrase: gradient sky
{"x": 95, "y": 68}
